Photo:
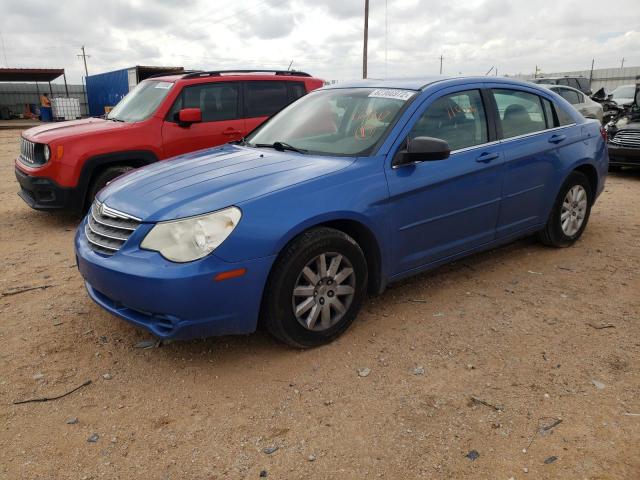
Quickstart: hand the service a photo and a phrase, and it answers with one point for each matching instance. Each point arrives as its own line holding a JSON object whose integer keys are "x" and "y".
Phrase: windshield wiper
{"x": 114, "y": 119}
{"x": 280, "y": 146}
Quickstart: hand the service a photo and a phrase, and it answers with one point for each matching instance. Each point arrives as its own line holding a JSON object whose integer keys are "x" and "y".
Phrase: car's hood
{"x": 74, "y": 128}
{"x": 635, "y": 125}
{"x": 622, "y": 101}
{"x": 211, "y": 179}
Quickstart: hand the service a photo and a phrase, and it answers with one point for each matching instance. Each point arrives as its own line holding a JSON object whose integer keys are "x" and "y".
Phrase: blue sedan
{"x": 348, "y": 189}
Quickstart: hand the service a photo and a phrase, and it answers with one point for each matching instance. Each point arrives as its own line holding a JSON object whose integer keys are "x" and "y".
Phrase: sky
{"x": 324, "y": 38}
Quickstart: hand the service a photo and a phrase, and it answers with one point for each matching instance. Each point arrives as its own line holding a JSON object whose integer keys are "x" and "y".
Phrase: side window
{"x": 458, "y": 118}
{"x": 296, "y": 90}
{"x": 583, "y": 84}
{"x": 217, "y": 101}
{"x": 265, "y": 98}
{"x": 520, "y": 112}
{"x": 573, "y": 82}
{"x": 563, "y": 81}
{"x": 570, "y": 96}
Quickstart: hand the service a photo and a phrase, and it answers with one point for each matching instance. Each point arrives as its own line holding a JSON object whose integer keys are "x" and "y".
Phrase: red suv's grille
{"x": 107, "y": 229}
{"x": 31, "y": 154}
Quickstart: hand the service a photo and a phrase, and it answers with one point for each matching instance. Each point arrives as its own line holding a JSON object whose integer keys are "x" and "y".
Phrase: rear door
{"x": 222, "y": 122}
{"x": 263, "y": 98}
{"x": 531, "y": 147}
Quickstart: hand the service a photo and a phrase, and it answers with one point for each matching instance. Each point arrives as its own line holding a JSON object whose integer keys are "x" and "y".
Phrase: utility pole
{"x": 591, "y": 74}
{"x": 366, "y": 38}
{"x": 84, "y": 58}
{"x": 622, "y": 64}
{"x": 441, "y": 58}
{"x": 86, "y": 73}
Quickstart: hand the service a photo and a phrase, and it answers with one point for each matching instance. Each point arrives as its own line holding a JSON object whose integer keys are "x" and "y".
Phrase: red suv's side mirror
{"x": 187, "y": 116}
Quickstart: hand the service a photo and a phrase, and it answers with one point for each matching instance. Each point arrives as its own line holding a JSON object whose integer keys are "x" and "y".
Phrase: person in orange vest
{"x": 45, "y": 108}
{"x": 44, "y": 100}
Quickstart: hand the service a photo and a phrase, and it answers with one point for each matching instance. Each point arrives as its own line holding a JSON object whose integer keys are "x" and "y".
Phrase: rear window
{"x": 264, "y": 98}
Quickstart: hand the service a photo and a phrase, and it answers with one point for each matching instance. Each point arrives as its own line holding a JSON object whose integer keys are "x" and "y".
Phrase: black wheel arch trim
{"x": 137, "y": 158}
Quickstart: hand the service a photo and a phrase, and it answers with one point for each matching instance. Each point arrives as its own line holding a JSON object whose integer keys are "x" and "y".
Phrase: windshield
{"x": 334, "y": 122}
{"x": 626, "y": 91}
{"x": 141, "y": 102}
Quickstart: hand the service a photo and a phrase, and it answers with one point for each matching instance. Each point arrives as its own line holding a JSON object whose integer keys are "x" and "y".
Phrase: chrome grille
{"x": 107, "y": 229}
{"x": 627, "y": 138}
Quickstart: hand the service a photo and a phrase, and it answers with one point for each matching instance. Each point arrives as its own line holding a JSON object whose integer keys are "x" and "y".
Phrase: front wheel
{"x": 103, "y": 179}
{"x": 570, "y": 212}
{"x": 316, "y": 288}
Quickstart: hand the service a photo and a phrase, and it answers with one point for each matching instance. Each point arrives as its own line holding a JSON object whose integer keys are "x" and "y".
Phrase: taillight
{"x": 604, "y": 134}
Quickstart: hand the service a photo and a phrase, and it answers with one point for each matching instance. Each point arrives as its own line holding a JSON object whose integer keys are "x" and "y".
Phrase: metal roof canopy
{"x": 30, "y": 74}
{"x": 33, "y": 75}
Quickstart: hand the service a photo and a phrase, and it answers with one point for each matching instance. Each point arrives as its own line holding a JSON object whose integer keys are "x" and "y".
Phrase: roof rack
{"x": 219, "y": 73}
{"x": 169, "y": 73}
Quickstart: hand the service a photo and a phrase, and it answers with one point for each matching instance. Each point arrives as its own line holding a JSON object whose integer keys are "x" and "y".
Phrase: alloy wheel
{"x": 574, "y": 210}
{"x": 323, "y": 291}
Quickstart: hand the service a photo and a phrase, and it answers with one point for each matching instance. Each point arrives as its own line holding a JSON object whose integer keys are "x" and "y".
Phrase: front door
{"x": 445, "y": 207}
{"x": 221, "y": 120}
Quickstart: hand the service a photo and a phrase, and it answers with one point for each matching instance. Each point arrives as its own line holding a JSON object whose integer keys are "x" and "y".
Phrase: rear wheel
{"x": 570, "y": 212}
{"x": 103, "y": 178}
{"x": 316, "y": 288}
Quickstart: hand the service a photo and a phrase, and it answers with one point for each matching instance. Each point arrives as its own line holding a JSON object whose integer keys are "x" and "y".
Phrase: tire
{"x": 103, "y": 178}
{"x": 319, "y": 319}
{"x": 574, "y": 206}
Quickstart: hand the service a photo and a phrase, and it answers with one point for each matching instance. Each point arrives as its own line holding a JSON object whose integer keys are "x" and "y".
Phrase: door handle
{"x": 557, "y": 138}
{"x": 487, "y": 157}
{"x": 231, "y": 132}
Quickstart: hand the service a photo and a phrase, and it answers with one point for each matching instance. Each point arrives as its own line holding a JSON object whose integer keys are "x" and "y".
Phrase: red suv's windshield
{"x": 141, "y": 102}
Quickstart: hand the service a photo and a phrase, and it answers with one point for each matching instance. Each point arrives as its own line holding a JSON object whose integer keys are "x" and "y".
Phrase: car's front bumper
{"x": 173, "y": 300}
{"x": 623, "y": 156}
{"x": 42, "y": 193}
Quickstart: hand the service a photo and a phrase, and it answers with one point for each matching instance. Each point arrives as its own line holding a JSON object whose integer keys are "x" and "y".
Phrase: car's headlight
{"x": 47, "y": 153}
{"x": 192, "y": 238}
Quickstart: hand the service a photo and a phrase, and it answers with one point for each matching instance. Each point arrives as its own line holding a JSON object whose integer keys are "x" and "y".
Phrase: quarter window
{"x": 265, "y": 98}
{"x": 297, "y": 90}
{"x": 563, "y": 117}
{"x": 458, "y": 118}
{"x": 520, "y": 112}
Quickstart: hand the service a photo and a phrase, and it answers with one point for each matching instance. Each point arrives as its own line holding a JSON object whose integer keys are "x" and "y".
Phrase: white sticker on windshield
{"x": 164, "y": 85}
{"x": 403, "y": 95}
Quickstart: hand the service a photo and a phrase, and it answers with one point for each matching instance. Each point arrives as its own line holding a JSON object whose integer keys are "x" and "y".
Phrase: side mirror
{"x": 637, "y": 97}
{"x": 187, "y": 116}
{"x": 422, "y": 149}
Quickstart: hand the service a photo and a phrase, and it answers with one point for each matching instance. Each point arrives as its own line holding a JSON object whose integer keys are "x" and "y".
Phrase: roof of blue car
{"x": 416, "y": 83}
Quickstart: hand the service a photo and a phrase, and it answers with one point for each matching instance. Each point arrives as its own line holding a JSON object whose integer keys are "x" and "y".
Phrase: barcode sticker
{"x": 403, "y": 95}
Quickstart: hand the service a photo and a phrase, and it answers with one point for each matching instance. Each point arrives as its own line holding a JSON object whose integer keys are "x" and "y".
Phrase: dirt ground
{"x": 541, "y": 334}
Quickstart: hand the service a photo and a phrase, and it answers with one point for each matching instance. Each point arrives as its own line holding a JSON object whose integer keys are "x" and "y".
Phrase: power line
{"x": 386, "y": 37}
{"x": 366, "y": 38}
{"x": 4, "y": 51}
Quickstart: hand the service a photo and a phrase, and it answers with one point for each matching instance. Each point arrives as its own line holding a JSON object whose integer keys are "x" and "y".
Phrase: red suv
{"x": 64, "y": 165}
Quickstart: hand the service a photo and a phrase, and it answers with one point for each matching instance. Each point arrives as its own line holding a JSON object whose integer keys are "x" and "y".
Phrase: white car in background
{"x": 581, "y": 102}
{"x": 623, "y": 95}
